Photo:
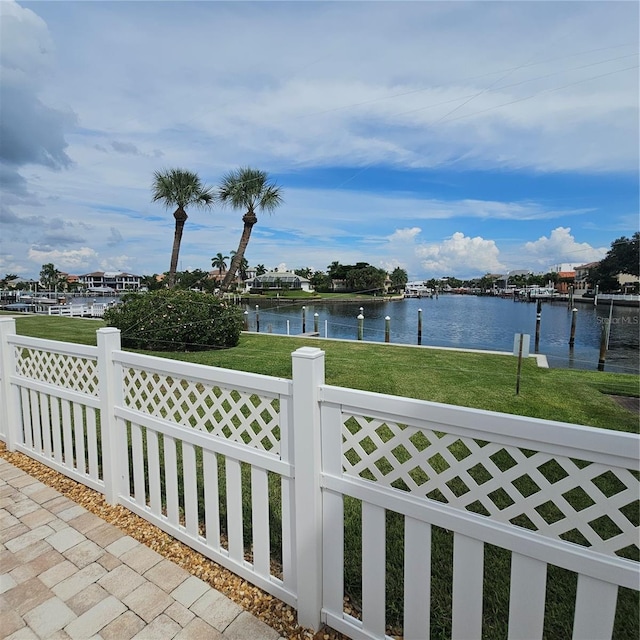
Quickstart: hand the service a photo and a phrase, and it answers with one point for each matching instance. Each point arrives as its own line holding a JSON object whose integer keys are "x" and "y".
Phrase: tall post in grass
{"x": 387, "y": 328}
{"x": 360, "y": 327}
{"x": 419, "y": 326}
{"x": 11, "y": 400}
{"x": 572, "y": 337}
{"x": 315, "y": 322}
{"x": 246, "y": 321}
{"x": 519, "y": 364}
{"x": 308, "y": 375}
{"x": 257, "y": 318}
{"x": 304, "y": 319}
{"x": 114, "y": 454}
{"x": 538, "y": 318}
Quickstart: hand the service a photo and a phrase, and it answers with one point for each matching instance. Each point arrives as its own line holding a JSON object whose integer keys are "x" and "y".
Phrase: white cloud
{"x": 72, "y": 259}
{"x": 460, "y": 256}
{"x": 117, "y": 263}
{"x": 560, "y": 247}
{"x": 32, "y": 132}
{"x": 445, "y": 91}
{"x": 404, "y": 235}
{"x": 10, "y": 264}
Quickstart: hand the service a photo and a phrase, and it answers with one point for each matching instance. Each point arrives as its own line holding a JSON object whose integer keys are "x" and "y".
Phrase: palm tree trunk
{"x": 181, "y": 217}
{"x": 249, "y": 221}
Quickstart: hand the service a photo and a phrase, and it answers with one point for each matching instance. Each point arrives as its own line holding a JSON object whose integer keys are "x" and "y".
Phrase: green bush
{"x": 172, "y": 320}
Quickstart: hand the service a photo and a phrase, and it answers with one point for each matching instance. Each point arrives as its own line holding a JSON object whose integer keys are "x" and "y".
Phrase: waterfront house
{"x": 581, "y": 275}
{"x": 118, "y": 281}
{"x": 277, "y": 281}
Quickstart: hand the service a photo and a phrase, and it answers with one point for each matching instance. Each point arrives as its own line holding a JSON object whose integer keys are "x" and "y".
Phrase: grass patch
{"x": 477, "y": 380}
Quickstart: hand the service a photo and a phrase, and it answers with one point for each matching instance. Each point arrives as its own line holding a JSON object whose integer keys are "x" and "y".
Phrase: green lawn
{"x": 468, "y": 379}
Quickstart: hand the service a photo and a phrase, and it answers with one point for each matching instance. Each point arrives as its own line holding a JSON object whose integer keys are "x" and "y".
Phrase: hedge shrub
{"x": 176, "y": 320}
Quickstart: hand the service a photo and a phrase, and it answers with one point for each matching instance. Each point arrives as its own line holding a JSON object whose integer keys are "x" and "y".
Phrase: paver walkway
{"x": 66, "y": 573}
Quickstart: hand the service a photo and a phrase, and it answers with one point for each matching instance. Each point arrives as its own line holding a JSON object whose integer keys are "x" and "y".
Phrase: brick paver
{"x": 216, "y": 609}
{"x": 48, "y": 617}
{"x": 189, "y": 591}
{"x": 124, "y": 627}
{"x": 148, "y": 601}
{"x": 121, "y": 581}
{"x": 67, "y": 574}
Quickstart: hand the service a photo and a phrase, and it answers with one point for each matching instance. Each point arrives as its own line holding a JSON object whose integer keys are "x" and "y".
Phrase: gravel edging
{"x": 262, "y": 605}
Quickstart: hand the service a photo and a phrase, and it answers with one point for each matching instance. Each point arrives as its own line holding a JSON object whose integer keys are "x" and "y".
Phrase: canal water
{"x": 469, "y": 322}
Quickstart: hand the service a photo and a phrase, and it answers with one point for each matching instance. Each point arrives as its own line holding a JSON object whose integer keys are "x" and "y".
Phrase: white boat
{"x": 417, "y": 290}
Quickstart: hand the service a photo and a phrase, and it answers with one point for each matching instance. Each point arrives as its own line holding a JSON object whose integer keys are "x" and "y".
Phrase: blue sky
{"x": 447, "y": 138}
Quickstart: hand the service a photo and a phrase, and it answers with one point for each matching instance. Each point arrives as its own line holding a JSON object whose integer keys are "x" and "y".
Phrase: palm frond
{"x": 247, "y": 188}
{"x": 180, "y": 188}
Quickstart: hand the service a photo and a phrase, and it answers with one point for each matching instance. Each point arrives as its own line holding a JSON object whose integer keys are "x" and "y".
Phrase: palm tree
{"x": 243, "y": 268}
{"x": 219, "y": 262}
{"x": 260, "y": 269}
{"x": 248, "y": 189}
{"x": 181, "y": 189}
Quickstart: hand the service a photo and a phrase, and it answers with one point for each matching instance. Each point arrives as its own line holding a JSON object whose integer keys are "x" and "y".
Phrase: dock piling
{"x": 604, "y": 339}
{"x": 572, "y": 337}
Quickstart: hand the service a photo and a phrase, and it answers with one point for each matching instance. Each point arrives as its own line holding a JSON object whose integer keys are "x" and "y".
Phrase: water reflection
{"x": 471, "y": 322}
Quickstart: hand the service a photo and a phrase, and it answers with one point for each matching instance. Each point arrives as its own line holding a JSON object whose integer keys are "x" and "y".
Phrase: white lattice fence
{"x": 556, "y": 496}
{"x": 232, "y": 413}
{"x": 206, "y": 446}
{"x": 60, "y": 369}
{"x": 179, "y": 440}
{"x": 56, "y": 386}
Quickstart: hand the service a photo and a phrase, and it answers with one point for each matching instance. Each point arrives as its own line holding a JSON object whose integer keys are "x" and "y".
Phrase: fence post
{"x": 308, "y": 375}
{"x": 9, "y": 395}
{"x": 110, "y": 378}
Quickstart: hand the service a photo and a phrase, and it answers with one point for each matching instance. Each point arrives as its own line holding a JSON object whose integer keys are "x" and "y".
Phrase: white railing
{"x": 628, "y": 297}
{"x": 257, "y": 472}
{"x": 78, "y": 310}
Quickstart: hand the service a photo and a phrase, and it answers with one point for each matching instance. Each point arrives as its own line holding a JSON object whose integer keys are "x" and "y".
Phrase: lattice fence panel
{"x": 67, "y": 371}
{"x": 582, "y": 502}
{"x": 233, "y": 414}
